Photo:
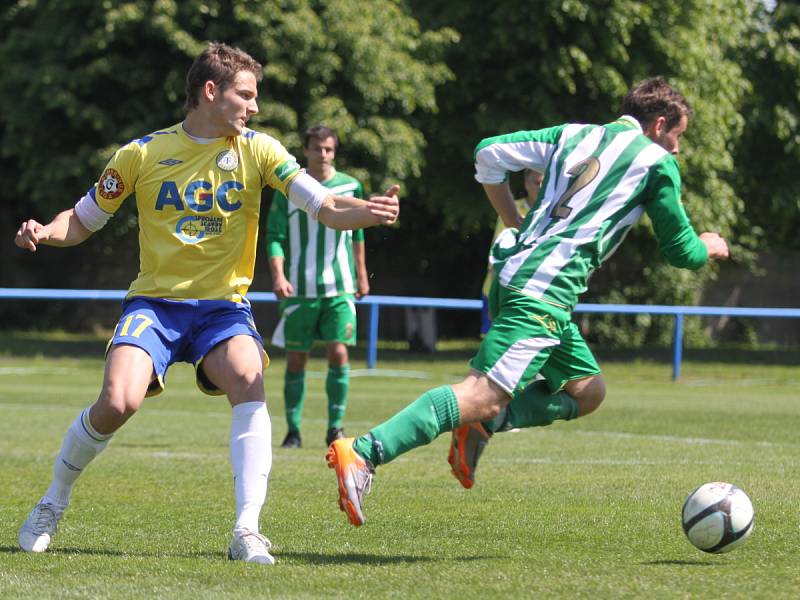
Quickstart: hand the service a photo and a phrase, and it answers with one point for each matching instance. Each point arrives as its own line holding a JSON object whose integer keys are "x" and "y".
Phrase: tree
{"x": 770, "y": 147}
{"x": 573, "y": 60}
{"x": 82, "y": 77}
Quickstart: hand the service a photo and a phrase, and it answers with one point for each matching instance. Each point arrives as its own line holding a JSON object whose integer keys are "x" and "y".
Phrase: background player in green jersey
{"x": 198, "y": 188}
{"x": 532, "y": 181}
{"x": 316, "y": 273}
{"x": 598, "y": 181}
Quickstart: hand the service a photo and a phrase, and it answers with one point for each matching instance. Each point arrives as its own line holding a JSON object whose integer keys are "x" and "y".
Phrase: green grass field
{"x": 586, "y": 509}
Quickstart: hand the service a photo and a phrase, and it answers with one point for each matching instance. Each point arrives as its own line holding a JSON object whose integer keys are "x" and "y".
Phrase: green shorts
{"x": 530, "y": 337}
{"x": 303, "y": 320}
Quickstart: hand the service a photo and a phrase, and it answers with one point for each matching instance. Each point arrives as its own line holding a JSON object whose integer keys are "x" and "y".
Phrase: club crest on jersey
{"x": 111, "y": 185}
{"x": 228, "y": 160}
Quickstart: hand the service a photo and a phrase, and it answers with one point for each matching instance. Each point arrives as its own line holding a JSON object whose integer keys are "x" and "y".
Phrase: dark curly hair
{"x": 653, "y": 98}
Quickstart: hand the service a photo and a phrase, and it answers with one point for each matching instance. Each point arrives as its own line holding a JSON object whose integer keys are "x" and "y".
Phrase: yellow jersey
{"x": 198, "y": 208}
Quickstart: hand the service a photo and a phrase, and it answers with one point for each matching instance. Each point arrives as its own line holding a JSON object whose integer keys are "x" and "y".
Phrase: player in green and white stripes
{"x": 316, "y": 272}
{"x": 598, "y": 181}
{"x": 532, "y": 181}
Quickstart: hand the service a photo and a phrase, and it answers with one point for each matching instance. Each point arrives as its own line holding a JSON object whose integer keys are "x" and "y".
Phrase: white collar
{"x": 199, "y": 140}
{"x": 632, "y": 121}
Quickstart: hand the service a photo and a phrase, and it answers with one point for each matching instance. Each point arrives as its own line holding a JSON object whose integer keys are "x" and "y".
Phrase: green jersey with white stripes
{"x": 318, "y": 260}
{"x": 598, "y": 181}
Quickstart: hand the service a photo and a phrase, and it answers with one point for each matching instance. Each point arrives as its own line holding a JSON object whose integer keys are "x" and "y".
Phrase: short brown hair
{"x": 653, "y": 98}
{"x": 321, "y": 133}
{"x": 218, "y": 63}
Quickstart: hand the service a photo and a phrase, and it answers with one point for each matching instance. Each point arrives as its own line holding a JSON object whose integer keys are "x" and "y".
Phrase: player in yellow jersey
{"x": 198, "y": 191}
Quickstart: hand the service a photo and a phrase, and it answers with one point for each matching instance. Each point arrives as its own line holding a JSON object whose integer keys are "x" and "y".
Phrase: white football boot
{"x": 249, "y": 546}
{"x": 39, "y": 528}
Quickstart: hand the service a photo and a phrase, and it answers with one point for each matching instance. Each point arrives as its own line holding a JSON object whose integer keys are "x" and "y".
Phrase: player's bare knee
{"x": 248, "y": 387}
{"x": 114, "y": 407}
{"x": 251, "y": 380}
{"x": 588, "y": 405}
{"x": 337, "y": 355}
{"x": 296, "y": 361}
{"x": 589, "y": 393}
{"x": 493, "y": 398}
{"x": 491, "y": 411}
{"x": 491, "y": 403}
{"x": 592, "y": 401}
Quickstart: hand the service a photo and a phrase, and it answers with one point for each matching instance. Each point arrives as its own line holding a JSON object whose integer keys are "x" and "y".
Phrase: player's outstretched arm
{"x": 64, "y": 230}
{"x": 346, "y": 212}
{"x": 716, "y": 246}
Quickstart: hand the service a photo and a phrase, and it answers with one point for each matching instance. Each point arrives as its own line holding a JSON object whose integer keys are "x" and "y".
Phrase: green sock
{"x": 337, "y": 385}
{"x": 534, "y": 406}
{"x": 294, "y": 394}
{"x": 419, "y": 423}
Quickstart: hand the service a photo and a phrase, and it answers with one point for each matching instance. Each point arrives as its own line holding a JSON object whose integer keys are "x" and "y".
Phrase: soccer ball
{"x": 717, "y": 517}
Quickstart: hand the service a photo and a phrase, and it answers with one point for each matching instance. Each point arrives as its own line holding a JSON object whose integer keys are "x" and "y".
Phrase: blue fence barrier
{"x": 376, "y": 302}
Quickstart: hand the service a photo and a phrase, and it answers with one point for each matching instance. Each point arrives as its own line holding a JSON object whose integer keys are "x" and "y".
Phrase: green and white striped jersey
{"x": 598, "y": 180}
{"x": 318, "y": 260}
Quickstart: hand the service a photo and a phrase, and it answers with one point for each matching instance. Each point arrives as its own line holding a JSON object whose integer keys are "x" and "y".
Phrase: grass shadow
{"x": 310, "y": 558}
{"x": 72, "y": 551}
{"x": 316, "y": 558}
{"x": 694, "y": 563}
{"x": 118, "y": 444}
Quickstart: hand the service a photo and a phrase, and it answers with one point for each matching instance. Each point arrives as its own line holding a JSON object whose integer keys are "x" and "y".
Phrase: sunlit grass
{"x": 586, "y": 509}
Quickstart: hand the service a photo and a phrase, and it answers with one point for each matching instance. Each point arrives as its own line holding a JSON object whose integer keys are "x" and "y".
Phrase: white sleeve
{"x": 307, "y": 194}
{"x": 90, "y": 214}
{"x": 494, "y": 161}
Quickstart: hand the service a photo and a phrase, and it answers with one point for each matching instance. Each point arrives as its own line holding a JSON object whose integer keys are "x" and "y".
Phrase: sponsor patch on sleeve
{"x": 286, "y": 168}
{"x": 110, "y": 185}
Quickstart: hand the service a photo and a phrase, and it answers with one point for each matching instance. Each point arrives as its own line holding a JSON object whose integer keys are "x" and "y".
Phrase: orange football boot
{"x": 354, "y": 475}
{"x": 466, "y": 446}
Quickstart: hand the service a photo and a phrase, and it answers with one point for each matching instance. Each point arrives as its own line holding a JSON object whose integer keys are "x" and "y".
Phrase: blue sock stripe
{"x": 70, "y": 466}
{"x": 87, "y": 427}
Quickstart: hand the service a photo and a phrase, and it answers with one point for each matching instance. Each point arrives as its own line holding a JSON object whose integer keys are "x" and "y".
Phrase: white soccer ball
{"x": 717, "y": 517}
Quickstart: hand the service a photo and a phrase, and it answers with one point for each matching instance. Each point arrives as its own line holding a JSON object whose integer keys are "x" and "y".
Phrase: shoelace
{"x": 46, "y": 520}
{"x": 255, "y": 541}
{"x": 363, "y": 486}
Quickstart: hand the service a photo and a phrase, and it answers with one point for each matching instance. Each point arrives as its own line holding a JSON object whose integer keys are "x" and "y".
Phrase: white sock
{"x": 81, "y": 444}
{"x": 251, "y": 459}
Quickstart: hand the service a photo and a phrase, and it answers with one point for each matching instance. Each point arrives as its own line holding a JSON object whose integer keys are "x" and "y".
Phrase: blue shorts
{"x": 173, "y": 331}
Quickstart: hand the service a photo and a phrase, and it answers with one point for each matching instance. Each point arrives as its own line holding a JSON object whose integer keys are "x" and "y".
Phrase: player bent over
{"x": 198, "y": 190}
{"x": 598, "y": 181}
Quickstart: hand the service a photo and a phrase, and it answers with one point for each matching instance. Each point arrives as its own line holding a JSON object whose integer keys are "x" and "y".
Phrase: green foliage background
{"x": 411, "y": 86}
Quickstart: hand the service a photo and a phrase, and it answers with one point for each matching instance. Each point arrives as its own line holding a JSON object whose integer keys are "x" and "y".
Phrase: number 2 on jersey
{"x": 584, "y": 172}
